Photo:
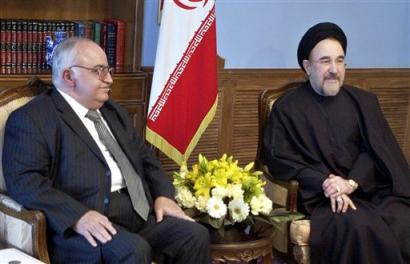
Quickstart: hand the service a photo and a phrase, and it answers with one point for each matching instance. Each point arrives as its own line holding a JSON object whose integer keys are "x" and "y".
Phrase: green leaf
{"x": 191, "y": 212}
{"x": 215, "y": 223}
{"x": 262, "y": 219}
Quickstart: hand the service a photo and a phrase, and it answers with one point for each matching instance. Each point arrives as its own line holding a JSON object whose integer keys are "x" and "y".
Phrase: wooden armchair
{"x": 282, "y": 193}
{"x": 20, "y": 228}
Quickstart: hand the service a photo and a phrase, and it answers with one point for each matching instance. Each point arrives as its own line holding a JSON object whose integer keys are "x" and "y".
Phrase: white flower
{"x": 219, "y": 192}
{"x": 183, "y": 171}
{"x": 261, "y": 204}
{"x": 235, "y": 191}
{"x": 201, "y": 203}
{"x": 266, "y": 204}
{"x": 238, "y": 210}
{"x": 216, "y": 207}
{"x": 185, "y": 198}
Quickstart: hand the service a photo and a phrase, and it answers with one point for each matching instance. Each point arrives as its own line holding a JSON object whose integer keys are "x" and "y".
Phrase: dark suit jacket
{"x": 52, "y": 163}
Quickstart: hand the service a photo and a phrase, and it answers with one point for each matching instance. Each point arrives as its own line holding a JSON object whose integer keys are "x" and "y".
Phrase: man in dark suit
{"x": 55, "y": 160}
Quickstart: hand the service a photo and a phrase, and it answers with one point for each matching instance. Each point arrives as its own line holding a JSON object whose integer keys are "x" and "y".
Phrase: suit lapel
{"x": 71, "y": 119}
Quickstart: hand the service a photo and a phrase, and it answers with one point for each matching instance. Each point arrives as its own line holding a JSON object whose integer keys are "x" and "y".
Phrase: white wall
{"x": 265, "y": 33}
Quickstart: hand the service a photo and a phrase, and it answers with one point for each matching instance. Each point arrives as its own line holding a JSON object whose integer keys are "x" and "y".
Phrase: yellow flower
{"x": 203, "y": 185}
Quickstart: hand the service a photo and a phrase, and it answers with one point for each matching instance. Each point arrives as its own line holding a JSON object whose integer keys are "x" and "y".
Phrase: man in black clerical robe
{"x": 354, "y": 181}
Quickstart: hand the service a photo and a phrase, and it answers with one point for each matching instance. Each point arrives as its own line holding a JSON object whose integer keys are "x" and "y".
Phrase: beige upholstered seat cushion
{"x": 299, "y": 232}
{"x": 14, "y": 231}
{"x": 299, "y": 235}
{"x": 5, "y": 111}
{"x": 301, "y": 254}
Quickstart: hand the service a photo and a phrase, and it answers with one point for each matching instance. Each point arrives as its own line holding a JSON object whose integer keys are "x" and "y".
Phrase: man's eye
{"x": 98, "y": 69}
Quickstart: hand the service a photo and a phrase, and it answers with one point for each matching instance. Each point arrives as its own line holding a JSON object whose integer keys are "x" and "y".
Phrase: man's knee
{"x": 200, "y": 233}
{"x": 127, "y": 248}
{"x": 196, "y": 245}
{"x": 359, "y": 221}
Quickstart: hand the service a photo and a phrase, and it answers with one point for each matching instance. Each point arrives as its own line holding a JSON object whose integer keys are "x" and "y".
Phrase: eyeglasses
{"x": 99, "y": 70}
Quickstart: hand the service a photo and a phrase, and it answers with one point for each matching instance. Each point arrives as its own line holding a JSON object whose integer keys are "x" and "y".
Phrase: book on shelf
{"x": 96, "y": 32}
{"x": 110, "y": 43}
{"x": 119, "y": 42}
{"x": 22, "y": 41}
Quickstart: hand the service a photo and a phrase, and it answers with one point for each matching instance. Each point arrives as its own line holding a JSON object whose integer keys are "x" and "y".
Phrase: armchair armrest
{"x": 23, "y": 229}
{"x": 290, "y": 186}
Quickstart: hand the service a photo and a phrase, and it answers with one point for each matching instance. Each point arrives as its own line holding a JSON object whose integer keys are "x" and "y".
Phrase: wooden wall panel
{"x": 395, "y": 105}
{"x": 235, "y": 128}
{"x": 392, "y": 88}
{"x": 245, "y": 124}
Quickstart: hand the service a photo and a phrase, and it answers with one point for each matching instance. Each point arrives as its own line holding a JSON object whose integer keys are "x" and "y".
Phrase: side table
{"x": 244, "y": 251}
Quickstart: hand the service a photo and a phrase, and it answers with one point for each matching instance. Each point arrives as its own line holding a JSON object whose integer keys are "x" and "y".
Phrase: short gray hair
{"x": 63, "y": 56}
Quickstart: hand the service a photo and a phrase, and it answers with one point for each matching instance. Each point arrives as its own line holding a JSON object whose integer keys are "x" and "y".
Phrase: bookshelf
{"x": 130, "y": 84}
{"x": 130, "y": 11}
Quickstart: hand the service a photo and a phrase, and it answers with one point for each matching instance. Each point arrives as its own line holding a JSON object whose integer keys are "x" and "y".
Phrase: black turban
{"x": 316, "y": 34}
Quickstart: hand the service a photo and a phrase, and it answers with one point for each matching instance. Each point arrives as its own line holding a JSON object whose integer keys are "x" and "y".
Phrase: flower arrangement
{"x": 220, "y": 193}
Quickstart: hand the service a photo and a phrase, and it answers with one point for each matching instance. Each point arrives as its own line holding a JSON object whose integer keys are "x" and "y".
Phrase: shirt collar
{"x": 78, "y": 108}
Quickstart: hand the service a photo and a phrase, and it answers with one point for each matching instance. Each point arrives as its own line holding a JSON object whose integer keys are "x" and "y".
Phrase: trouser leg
{"x": 126, "y": 248}
{"x": 178, "y": 241}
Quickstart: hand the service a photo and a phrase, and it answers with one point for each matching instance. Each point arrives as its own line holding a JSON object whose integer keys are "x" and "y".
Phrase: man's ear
{"x": 67, "y": 77}
{"x": 306, "y": 66}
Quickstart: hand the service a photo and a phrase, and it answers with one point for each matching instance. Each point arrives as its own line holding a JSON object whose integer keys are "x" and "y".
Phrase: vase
{"x": 51, "y": 42}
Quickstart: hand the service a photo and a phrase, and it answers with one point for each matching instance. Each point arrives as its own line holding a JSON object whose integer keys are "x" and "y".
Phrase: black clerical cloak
{"x": 310, "y": 136}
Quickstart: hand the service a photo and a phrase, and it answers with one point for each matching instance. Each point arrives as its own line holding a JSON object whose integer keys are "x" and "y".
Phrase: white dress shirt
{"x": 117, "y": 180}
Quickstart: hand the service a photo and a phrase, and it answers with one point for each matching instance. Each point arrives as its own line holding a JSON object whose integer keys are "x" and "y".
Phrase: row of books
{"x": 23, "y": 49}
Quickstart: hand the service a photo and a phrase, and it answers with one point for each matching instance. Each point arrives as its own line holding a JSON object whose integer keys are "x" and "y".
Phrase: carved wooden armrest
{"x": 23, "y": 229}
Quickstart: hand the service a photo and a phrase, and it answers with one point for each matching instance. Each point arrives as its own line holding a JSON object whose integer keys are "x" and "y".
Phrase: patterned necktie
{"x": 132, "y": 179}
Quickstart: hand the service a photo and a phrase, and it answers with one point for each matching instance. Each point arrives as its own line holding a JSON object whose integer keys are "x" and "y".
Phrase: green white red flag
{"x": 184, "y": 90}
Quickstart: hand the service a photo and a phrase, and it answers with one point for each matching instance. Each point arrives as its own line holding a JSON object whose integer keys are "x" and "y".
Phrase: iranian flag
{"x": 184, "y": 88}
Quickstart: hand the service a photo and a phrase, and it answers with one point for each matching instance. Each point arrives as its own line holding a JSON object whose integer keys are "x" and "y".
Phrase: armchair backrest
{"x": 10, "y": 100}
{"x": 283, "y": 194}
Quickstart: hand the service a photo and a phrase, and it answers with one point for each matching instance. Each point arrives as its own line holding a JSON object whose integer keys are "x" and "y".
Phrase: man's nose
{"x": 333, "y": 67}
{"x": 108, "y": 78}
